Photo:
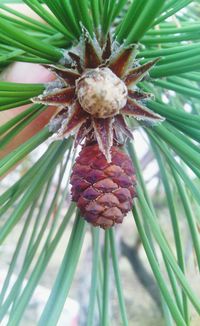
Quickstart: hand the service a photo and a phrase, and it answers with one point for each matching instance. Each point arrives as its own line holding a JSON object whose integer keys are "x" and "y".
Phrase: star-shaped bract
{"x": 121, "y": 62}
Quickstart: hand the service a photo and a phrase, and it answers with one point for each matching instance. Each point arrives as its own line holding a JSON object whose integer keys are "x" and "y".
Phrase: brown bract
{"x": 98, "y": 108}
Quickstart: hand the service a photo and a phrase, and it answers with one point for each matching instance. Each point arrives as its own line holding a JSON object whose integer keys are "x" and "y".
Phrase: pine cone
{"x": 103, "y": 191}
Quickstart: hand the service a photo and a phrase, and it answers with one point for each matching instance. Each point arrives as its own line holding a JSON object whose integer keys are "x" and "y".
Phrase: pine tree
{"x": 143, "y": 56}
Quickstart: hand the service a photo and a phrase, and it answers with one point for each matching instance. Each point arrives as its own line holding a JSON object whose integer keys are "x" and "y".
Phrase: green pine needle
{"x": 166, "y": 29}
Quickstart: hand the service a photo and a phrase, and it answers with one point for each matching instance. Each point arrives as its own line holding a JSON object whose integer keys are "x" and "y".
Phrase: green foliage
{"x": 174, "y": 144}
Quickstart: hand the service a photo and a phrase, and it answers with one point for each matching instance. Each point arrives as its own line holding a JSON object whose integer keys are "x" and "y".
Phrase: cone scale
{"x": 103, "y": 191}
